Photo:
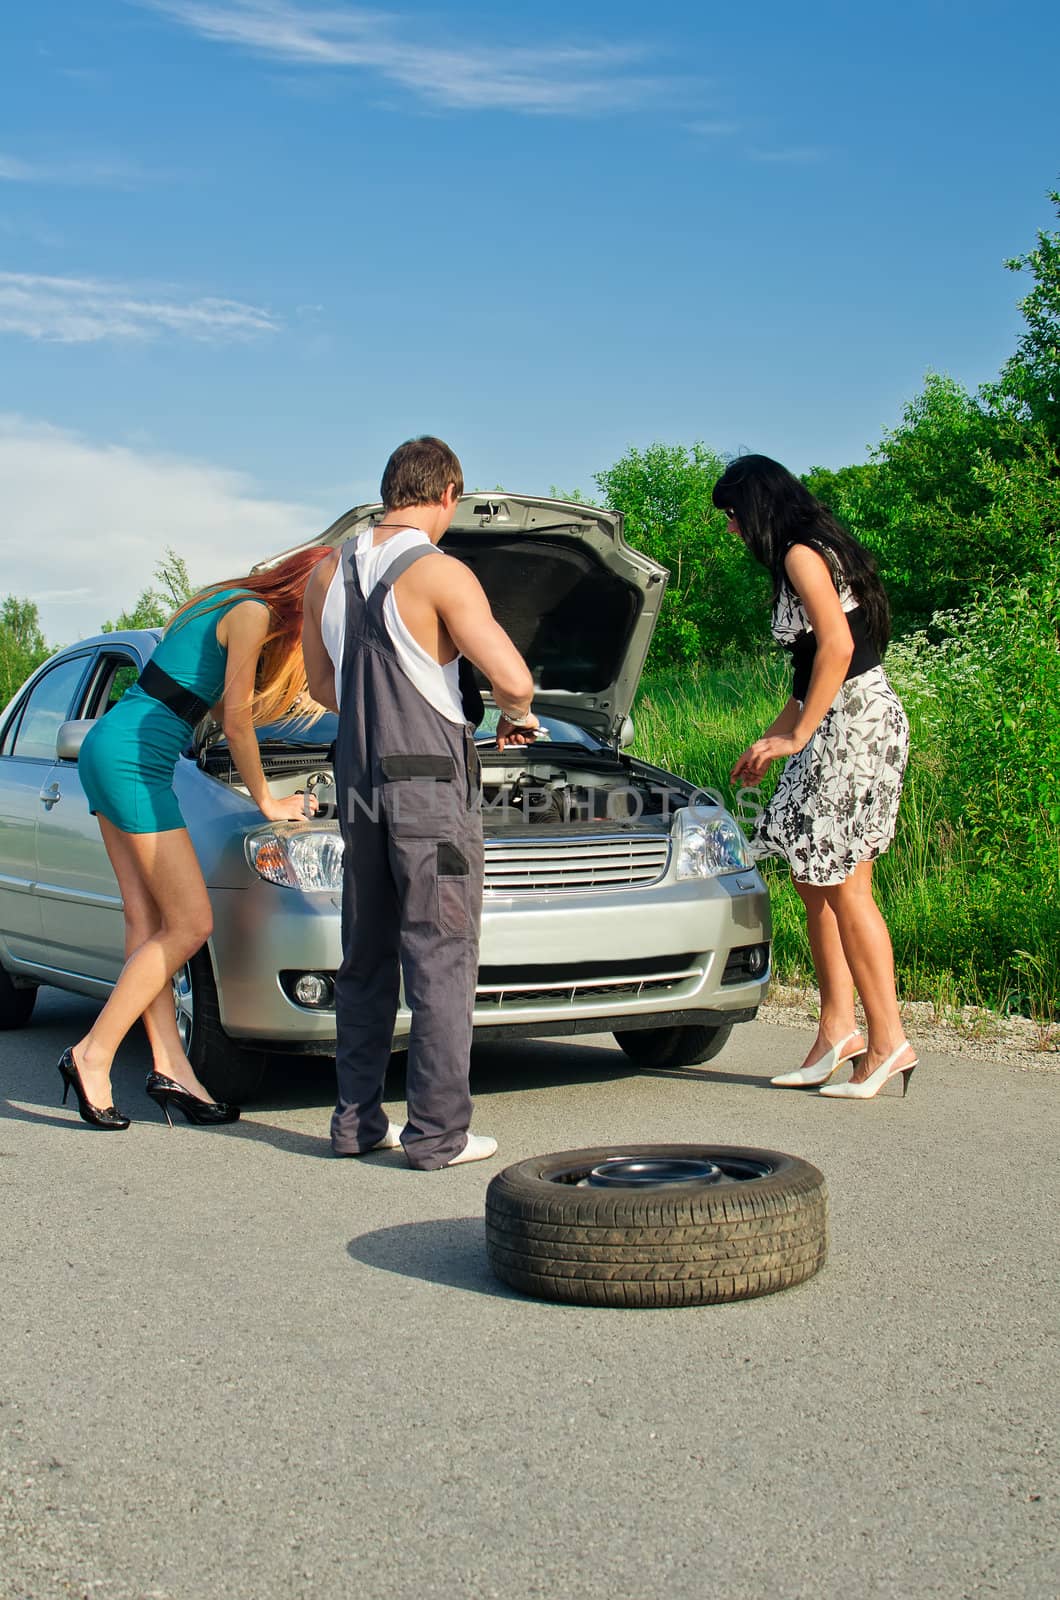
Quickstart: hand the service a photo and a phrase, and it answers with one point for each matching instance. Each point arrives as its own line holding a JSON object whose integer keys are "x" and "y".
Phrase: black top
{"x": 803, "y": 648}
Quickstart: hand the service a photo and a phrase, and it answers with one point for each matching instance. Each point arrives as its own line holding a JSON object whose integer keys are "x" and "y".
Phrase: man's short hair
{"x": 418, "y": 474}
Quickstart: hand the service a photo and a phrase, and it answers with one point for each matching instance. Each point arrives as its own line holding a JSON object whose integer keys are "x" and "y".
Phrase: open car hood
{"x": 578, "y": 602}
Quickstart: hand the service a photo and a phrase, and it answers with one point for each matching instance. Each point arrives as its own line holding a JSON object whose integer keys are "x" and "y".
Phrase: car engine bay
{"x": 520, "y": 789}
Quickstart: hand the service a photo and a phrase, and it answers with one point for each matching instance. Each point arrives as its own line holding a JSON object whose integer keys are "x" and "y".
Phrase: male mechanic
{"x": 387, "y": 619}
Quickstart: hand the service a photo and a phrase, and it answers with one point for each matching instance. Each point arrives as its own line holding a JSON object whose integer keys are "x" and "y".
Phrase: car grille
{"x": 529, "y": 866}
{"x": 581, "y": 982}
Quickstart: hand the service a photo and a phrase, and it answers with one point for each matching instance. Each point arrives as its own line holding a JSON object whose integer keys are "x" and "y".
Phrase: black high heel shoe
{"x": 108, "y": 1117}
{"x": 206, "y": 1113}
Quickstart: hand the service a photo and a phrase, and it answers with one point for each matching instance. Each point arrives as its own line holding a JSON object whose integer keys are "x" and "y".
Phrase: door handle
{"x": 50, "y": 794}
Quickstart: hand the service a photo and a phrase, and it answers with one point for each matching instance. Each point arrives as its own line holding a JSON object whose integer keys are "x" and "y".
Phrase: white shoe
{"x": 875, "y": 1081}
{"x": 391, "y": 1139}
{"x": 479, "y": 1147}
{"x": 820, "y": 1071}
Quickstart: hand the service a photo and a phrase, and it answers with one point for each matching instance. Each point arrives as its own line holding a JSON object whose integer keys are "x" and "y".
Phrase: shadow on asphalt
{"x": 498, "y": 1067}
{"x": 297, "y": 1082}
{"x": 315, "y": 1145}
{"x": 61, "y": 1119}
{"x": 292, "y": 1082}
{"x": 452, "y": 1252}
{"x": 706, "y": 1075}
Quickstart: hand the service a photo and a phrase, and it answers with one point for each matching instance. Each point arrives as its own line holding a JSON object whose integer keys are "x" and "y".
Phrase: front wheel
{"x": 228, "y": 1070}
{"x": 673, "y": 1047}
{"x": 16, "y": 1005}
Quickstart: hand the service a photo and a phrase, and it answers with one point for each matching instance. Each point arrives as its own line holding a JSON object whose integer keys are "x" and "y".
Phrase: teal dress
{"x": 128, "y": 758}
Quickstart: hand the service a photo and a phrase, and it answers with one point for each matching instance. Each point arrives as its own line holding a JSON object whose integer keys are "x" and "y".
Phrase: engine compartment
{"x": 525, "y": 793}
{"x": 520, "y": 791}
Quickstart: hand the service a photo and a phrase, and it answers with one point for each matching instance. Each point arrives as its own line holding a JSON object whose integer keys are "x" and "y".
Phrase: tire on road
{"x": 673, "y": 1047}
{"x": 16, "y": 1004}
{"x": 677, "y": 1245}
{"x": 228, "y": 1070}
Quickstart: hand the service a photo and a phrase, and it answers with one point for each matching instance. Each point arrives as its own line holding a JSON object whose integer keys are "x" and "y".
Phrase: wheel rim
{"x": 626, "y": 1172}
{"x": 632, "y": 1171}
{"x": 184, "y": 1005}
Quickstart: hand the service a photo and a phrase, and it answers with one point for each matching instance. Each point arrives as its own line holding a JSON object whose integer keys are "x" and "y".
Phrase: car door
{"x": 82, "y": 924}
{"x": 27, "y": 757}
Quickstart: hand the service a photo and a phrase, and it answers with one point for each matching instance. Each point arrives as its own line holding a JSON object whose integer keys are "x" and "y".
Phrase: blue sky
{"x": 246, "y": 246}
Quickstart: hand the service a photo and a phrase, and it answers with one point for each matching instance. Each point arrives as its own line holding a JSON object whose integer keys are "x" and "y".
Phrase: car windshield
{"x": 320, "y": 735}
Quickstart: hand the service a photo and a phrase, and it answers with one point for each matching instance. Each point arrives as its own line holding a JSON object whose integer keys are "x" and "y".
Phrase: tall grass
{"x": 974, "y": 919}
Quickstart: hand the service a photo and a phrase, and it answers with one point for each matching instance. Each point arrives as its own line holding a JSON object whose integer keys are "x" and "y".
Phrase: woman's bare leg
{"x": 164, "y": 868}
{"x": 834, "y": 978}
{"x": 142, "y": 919}
{"x": 870, "y": 957}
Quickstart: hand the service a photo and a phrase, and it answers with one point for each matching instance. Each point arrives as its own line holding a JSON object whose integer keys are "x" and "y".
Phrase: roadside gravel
{"x": 969, "y": 1031}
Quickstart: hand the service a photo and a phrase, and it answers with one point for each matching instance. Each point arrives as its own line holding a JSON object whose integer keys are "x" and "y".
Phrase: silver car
{"x": 618, "y": 898}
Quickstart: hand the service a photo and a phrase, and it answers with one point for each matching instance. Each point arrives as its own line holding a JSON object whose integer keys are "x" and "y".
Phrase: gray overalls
{"x": 407, "y": 781}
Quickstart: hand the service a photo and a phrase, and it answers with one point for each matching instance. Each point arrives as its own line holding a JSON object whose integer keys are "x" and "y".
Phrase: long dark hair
{"x": 774, "y": 511}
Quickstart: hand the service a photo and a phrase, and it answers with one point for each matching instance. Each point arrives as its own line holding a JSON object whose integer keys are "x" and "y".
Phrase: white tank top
{"x": 439, "y": 685}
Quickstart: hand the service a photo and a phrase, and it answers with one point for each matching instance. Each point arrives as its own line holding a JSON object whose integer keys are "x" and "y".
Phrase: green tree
{"x": 915, "y": 509}
{"x": 22, "y": 644}
{"x": 717, "y": 600}
{"x": 156, "y": 605}
{"x": 574, "y": 495}
{"x": 848, "y": 491}
{"x": 957, "y": 496}
{"x": 1029, "y": 382}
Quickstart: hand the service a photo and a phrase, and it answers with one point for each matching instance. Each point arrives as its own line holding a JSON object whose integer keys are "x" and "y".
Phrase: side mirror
{"x": 626, "y": 734}
{"x": 71, "y": 737}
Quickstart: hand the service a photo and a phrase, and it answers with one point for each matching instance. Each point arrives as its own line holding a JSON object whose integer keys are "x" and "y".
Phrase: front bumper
{"x": 554, "y": 963}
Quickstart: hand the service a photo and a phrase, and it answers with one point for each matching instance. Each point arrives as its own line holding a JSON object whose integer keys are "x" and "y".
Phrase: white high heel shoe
{"x": 875, "y": 1081}
{"x": 820, "y": 1071}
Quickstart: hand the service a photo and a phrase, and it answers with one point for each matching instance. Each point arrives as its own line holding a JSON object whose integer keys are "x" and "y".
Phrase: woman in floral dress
{"x": 846, "y": 741}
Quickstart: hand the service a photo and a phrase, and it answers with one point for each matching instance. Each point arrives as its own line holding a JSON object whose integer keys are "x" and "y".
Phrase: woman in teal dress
{"x": 235, "y": 648}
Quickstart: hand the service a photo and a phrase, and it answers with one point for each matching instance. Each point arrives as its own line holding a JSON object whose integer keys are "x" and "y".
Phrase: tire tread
{"x": 696, "y": 1246}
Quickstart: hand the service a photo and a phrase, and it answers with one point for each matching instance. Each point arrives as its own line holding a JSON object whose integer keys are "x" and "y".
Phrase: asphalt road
{"x": 235, "y": 1367}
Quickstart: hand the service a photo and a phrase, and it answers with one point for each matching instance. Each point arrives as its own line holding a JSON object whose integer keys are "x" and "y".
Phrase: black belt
{"x": 156, "y": 682}
{"x": 804, "y": 648}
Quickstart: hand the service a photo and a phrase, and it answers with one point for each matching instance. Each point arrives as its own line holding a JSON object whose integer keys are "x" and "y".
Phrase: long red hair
{"x": 280, "y": 689}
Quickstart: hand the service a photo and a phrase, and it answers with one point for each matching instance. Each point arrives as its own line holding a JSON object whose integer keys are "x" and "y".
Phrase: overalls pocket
{"x": 418, "y": 794}
{"x": 454, "y": 889}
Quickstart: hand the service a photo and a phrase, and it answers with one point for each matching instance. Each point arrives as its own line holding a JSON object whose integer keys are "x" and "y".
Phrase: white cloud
{"x": 13, "y": 169}
{"x": 85, "y": 524}
{"x": 557, "y": 80}
{"x": 83, "y": 310}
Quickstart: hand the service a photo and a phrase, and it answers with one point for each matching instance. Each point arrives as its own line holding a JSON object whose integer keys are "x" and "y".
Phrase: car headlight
{"x": 297, "y": 857}
{"x": 706, "y": 842}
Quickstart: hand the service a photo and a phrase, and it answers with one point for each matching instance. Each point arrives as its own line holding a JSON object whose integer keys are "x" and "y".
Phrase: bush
{"x": 716, "y": 595}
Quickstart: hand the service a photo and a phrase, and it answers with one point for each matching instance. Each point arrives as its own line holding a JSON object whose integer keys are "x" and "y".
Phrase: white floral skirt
{"x": 837, "y": 801}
